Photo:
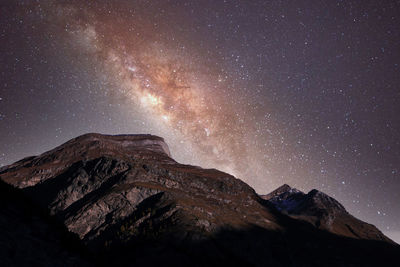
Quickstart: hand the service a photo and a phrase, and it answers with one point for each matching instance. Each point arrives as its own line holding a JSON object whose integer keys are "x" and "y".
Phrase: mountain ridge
{"x": 322, "y": 211}
{"x": 125, "y": 193}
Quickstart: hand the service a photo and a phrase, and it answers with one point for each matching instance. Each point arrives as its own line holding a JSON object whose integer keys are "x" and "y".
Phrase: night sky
{"x": 299, "y": 92}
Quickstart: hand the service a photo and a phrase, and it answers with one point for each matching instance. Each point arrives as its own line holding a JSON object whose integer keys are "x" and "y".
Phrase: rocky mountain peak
{"x": 322, "y": 211}
{"x": 35, "y": 169}
{"x": 282, "y": 192}
{"x": 325, "y": 202}
{"x": 125, "y": 142}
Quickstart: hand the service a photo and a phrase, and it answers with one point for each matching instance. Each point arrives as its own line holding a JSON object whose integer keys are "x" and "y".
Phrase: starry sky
{"x": 299, "y": 92}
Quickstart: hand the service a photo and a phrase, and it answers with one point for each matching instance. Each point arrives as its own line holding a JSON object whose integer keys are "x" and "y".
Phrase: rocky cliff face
{"x": 129, "y": 202}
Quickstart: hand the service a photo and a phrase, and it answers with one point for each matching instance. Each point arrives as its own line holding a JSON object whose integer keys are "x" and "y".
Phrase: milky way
{"x": 165, "y": 83}
{"x": 272, "y": 92}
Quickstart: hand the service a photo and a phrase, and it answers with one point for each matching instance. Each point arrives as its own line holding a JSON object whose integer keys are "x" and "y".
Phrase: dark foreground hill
{"x": 122, "y": 200}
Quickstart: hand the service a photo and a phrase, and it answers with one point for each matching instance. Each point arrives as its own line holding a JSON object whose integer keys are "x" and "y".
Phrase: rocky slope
{"x": 28, "y": 237}
{"x": 129, "y": 203}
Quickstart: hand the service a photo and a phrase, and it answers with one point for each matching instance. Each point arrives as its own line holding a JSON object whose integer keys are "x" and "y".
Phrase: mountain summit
{"x": 125, "y": 201}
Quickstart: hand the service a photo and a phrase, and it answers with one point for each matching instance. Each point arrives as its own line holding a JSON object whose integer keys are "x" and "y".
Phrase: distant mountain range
{"x": 101, "y": 200}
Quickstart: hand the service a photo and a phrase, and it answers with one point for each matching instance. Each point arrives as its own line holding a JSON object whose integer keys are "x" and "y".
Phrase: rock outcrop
{"x": 130, "y": 203}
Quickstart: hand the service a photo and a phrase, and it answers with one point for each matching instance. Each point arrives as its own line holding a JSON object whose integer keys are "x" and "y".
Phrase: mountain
{"x": 323, "y": 212}
{"x": 124, "y": 201}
